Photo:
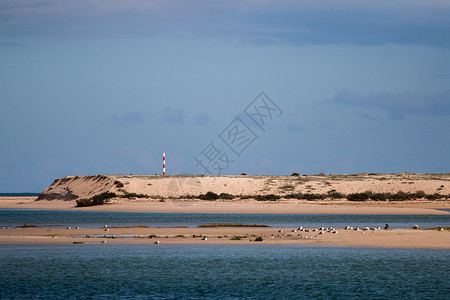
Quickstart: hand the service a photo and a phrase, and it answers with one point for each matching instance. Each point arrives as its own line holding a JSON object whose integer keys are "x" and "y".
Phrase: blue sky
{"x": 101, "y": 87}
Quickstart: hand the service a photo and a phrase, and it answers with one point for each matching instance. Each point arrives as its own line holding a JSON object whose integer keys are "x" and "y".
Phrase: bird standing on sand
{"x": 386, "y": 226}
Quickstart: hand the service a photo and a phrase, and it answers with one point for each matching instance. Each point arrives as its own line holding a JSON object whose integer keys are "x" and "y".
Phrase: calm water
{"x": 221, "y": 272}
{"x": 12, "y": 218}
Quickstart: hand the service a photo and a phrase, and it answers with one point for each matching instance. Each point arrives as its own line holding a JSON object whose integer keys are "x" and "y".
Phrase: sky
{"x": 225, "y": 87}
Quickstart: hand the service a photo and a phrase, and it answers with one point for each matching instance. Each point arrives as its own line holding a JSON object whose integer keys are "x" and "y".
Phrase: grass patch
{"x": 287, "y": 187}
{"x": 259, "y": 239}
{"x": 27, "y": 226}
{"x": 231, "y": 225}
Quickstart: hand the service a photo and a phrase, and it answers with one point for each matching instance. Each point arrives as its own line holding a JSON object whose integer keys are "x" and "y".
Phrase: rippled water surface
{"x": 221, "y": 272}
{"x": 12, "y": 218}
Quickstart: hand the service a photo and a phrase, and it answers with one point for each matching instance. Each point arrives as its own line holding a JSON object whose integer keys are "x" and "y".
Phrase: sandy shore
{"x": 248, "y": 206}
{"x": 396, "y": 238}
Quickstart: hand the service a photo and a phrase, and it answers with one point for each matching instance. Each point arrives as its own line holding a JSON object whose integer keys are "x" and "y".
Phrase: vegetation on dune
{"x": 99, "y": 199}
{"x": 209, "y": 196}
{"x": 27, "y": 226}
{"x": 399, "y": 196}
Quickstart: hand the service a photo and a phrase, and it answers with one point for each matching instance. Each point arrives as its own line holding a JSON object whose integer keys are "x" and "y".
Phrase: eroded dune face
{"x": 77, "y": 187}
{"x": 154, "y": 186}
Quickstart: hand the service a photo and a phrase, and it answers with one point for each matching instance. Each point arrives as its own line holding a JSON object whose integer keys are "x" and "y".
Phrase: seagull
{"x": 104, "y": 242}
{"x": 107, "y": 229}
{"x": 157, "y": 242}
{"x": 416, "y": 226}
{"x": 204, "y": 238}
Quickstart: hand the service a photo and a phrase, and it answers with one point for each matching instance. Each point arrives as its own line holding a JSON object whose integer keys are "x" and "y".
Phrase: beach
{"x": 174, "y": 194}
{"x": 395, "y": 238}
{"x": 247, "y": 206}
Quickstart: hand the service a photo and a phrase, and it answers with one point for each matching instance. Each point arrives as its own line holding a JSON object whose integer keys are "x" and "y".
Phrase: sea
{"x": 33, "y": 271}
{"x": 94, "y": 219}
{"x": 149, "y": 271}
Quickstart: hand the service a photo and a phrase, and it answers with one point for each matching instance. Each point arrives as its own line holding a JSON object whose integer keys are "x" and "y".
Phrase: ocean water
{"x": 94, "y": 219}
{"x": 221, "y": 272}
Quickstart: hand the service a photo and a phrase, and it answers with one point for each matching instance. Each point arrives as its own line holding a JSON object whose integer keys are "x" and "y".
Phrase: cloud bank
{"x": 399, "y": 105}
{"x": 299, "y": 22}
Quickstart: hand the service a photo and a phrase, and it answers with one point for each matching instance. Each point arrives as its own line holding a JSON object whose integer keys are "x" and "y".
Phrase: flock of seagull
{"x": 333, "y": 230}
{"x": 319, "y": 231}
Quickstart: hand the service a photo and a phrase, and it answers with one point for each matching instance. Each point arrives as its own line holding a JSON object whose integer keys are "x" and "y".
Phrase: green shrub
{"x": 311, "y": 197}
{"x": 295, "y": 174}
{"x": 401, "y": 196}
{"x": 358, "y": 196}
{"x": 434, "y": 196}
{"x": 118, "y": 184}
{"x": 226, "y": 196}
{"x": 381, "y": 196}
{"x": 96, "y": 200}
{"x": 420, "y": 194}
{"x": 134, "y": 195}
{"x": 270, "y": 197}
{"x": 336, "y": 195}
{"x": 209, "y": 196}
{"x": 259, "y": 239}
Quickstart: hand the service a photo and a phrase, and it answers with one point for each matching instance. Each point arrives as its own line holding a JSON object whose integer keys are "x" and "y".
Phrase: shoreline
{"x": 238, "y": 207}
{"x": 392, "y": 238}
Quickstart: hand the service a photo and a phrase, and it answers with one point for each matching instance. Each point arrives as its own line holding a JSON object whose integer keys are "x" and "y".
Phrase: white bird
{"x": 347, "y": 227}
{"x": 107, "y": 229}
{"x": 205, "y": 238}
{"x": 104, "y": 242}
{"x": 156, "y": 242}
{"x": 77, "y": 227}
{"x": 300, "y": 228}
{"x": 366, "y": 228}
{"x": 416, "y": 226}
{"x": 335, "y": 231}
{"x": 106, "y": 226}
{"x": 321, "y": 232}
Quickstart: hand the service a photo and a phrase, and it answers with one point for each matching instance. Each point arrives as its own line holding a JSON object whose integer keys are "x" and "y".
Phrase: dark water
{"x": 221, "y": 272}
{"x": 12, "y": 218}
{"x": 19, "y": 194}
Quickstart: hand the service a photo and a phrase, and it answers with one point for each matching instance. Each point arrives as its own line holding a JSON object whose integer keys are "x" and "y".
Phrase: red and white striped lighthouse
{"x": 164, "y": 162}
